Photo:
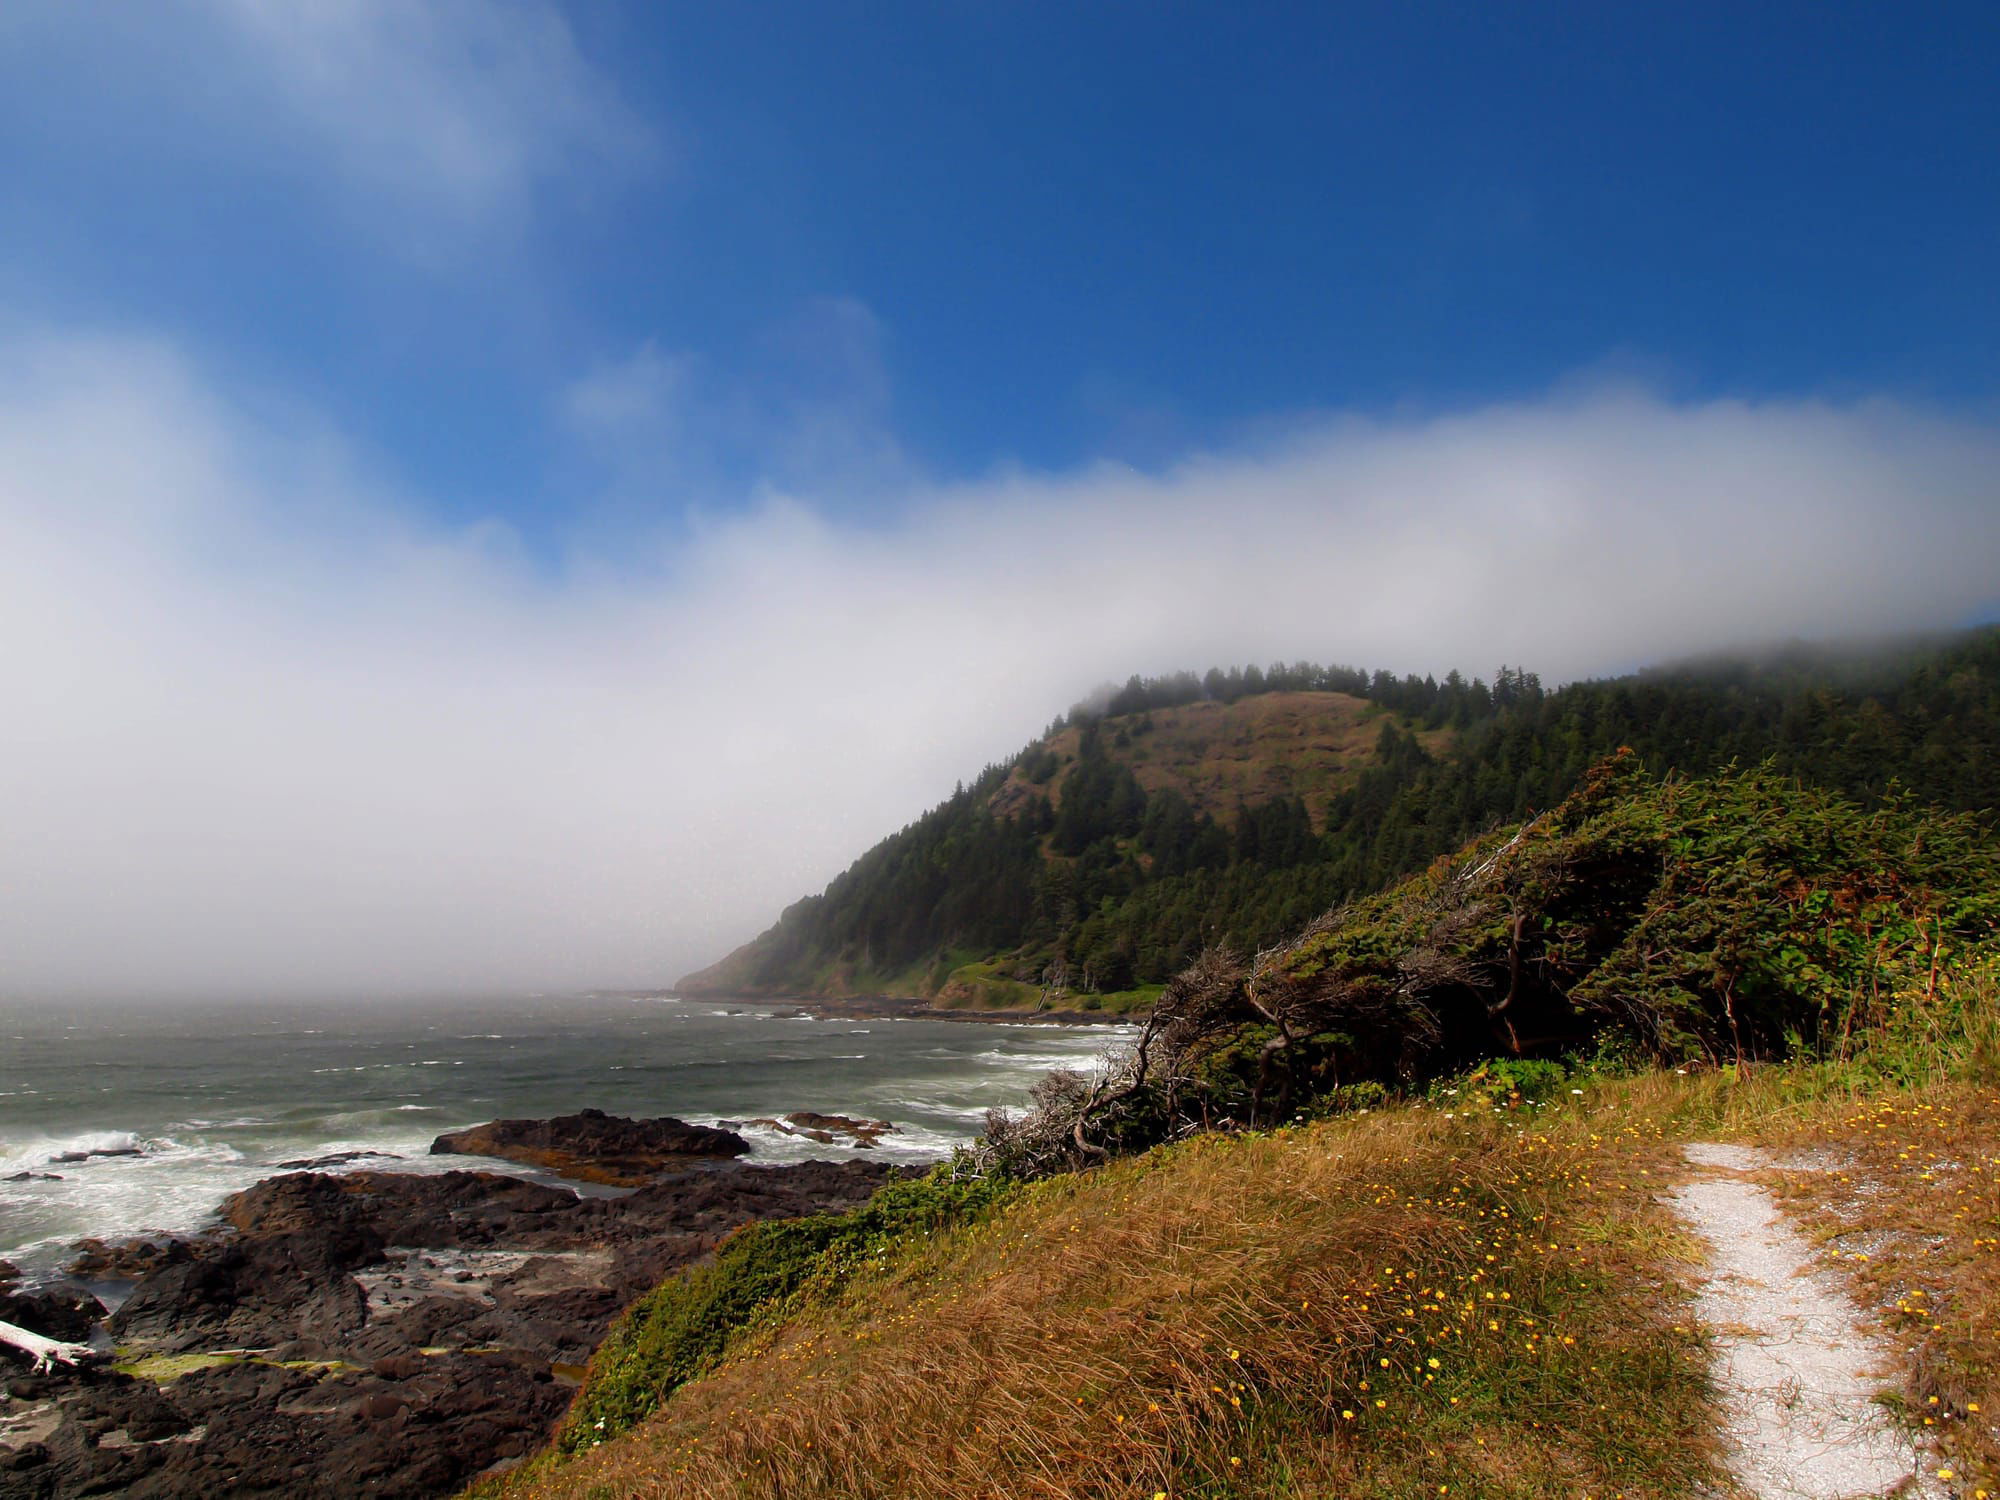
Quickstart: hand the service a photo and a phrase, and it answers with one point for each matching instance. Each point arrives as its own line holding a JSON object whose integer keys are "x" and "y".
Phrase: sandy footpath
{"x": 1797, "y": 1368}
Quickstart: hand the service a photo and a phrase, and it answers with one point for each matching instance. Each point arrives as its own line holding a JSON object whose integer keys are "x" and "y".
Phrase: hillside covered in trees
{"x": 1233, "y": 808}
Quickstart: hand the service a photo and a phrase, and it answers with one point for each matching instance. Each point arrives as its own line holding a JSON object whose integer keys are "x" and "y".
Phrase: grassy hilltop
{"x": 1377, "y": 1211}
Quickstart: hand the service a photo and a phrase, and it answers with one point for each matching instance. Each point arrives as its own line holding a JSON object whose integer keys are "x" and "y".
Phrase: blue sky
{"x": 503, "y": 494}
{"x": 943, "y": 239}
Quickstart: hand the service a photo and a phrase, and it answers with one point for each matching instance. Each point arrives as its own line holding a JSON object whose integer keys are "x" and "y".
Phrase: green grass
{"x": 979, "y": 985}
{"x": 1135, "y": 1001}
{"x": 163, "y": 1369}
{"x": 982, "y": 985}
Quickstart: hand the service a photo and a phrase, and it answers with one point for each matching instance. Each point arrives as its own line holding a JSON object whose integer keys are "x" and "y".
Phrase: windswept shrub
{"x": 1737, "y": 917}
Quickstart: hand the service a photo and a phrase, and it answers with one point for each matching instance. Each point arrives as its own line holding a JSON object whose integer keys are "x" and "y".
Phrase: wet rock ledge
{"x": 375, "y": 1333}
{"x": 592, "y": 1146}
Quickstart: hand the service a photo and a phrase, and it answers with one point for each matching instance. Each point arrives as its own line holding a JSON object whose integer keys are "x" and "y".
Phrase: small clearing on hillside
{"x": 1221, "y": 756}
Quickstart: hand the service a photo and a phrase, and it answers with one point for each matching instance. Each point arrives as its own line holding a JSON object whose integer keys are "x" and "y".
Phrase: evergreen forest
{"x": 1059, "y": 875}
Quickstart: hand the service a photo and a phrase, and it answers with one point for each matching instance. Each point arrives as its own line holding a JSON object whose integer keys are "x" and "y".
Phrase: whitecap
{"x": 241, "y": 1122}
{"x": 1025, "y": 1059}
{"x": 43, "y": 1152}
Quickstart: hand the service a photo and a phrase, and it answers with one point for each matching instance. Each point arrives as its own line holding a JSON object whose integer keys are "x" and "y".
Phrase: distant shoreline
{"x": 907, "y": 1008}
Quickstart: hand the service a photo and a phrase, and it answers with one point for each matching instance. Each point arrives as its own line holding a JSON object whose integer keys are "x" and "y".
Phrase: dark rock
{"x": 33, "y": 1177}
{"x": 249, "y": 1294}
{"x": 337, "y": 1158}
{"x": 828, "y": 1130}
{"x": 127, "y": 1261}
{"x": 285, "y": 1277}
{"x": 432, "y": 1322}
{"x": 449, "y": 1209}
{"x": 60, "y": 1312}
{"x": 862, "y": 1132}
{"x": 76, "y": 1156}
{"x": 719, "y": 1201}
{"x": 818, "y": 1137}
{"x": 595, "y": 1147}
{"x": 549, "y": 1272}
{"x": 251, "y": 1430}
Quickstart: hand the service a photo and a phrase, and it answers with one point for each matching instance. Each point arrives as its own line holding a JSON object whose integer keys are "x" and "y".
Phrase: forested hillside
{"x": 1235, "y": 807}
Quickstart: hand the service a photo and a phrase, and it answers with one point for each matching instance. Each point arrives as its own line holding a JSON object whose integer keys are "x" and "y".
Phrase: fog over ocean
{"x": 212, "y": 1098}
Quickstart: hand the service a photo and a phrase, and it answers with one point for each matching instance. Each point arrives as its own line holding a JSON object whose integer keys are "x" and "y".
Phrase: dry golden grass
{"x": 1220, "y": 755}
{"x": 1407, "y": 1303}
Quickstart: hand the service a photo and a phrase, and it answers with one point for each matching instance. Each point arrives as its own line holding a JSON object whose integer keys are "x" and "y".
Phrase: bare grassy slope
{"x": 1419, "y": 1301}
{"x": 1470, "y": 1297}
{"x": 1220, "y": 755}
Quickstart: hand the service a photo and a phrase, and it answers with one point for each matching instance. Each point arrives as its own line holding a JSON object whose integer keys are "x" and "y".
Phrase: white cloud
{"x": 266, "y": 729}
{"x": 639, "y": 419}
{"x": 431, "y": 125}
{"x": 463, "y": 105}
{"x": 620, "y": 400}
{"x": 810, "y": 407}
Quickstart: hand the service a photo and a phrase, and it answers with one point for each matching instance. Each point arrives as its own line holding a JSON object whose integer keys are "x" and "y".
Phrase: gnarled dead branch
{"x": 44, "y": 1351}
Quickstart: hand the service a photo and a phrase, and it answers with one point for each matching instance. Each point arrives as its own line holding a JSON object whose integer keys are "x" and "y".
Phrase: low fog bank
{"x": 265, "y": 731}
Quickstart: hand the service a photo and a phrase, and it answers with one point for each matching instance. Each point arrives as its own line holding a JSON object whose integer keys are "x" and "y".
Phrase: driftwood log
{"x": 44, "y": 1351}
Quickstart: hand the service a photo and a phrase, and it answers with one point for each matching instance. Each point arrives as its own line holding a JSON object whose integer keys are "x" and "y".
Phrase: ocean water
{"x": 212, "y": 1098}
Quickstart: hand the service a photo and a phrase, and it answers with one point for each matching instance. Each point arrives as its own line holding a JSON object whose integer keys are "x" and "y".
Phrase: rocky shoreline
{"x": 901, "y": 1008}
{"x": 378, "y": 1333}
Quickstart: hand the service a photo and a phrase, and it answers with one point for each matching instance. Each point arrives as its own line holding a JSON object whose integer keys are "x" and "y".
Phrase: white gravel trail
{"x": 1797, "y": 1369}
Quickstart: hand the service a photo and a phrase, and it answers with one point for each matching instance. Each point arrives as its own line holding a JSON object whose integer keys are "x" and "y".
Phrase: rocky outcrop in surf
{"x": 827, "y": 1130}
{"x": 592, "y": 1146}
